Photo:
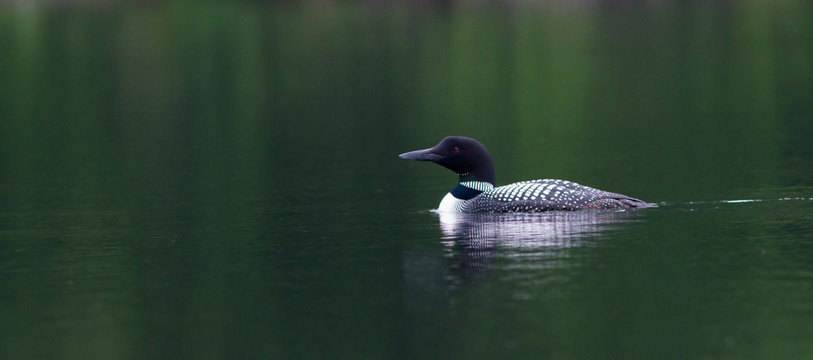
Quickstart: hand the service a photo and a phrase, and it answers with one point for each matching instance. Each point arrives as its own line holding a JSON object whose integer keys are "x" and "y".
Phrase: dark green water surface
{"x": 213, "y": 180}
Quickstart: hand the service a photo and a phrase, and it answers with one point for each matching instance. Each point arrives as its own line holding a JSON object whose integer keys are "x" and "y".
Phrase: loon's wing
{"x": 547, "y": 195}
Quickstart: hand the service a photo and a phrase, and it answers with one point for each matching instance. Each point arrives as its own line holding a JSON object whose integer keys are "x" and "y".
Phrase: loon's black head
{"x": 460, "y": 154}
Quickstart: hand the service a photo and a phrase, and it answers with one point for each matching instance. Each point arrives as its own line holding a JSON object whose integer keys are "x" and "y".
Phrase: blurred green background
{"x": 211, "y": 179}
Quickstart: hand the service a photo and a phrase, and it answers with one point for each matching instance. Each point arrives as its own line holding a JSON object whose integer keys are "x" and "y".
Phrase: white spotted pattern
{"x": 537, "y": 196}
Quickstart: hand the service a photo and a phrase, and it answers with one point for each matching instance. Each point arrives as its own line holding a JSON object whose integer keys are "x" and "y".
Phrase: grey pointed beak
{"x": 421, "y": 155}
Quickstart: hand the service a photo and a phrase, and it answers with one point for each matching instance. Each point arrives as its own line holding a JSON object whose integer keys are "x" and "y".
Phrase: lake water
{"x": 220, "y": 180}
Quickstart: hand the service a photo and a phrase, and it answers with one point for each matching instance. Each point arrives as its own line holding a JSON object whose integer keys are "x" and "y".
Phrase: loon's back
{"x": 547, "y": 195}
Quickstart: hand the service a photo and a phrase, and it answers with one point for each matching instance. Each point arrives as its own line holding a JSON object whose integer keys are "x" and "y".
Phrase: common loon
{"x": 475, "y": 191}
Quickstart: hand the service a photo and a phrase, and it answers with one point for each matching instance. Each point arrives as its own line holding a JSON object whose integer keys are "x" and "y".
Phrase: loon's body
{"x": 475, "y": 191}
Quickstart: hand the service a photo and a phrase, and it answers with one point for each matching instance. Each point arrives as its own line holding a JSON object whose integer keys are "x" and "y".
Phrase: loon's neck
{"x": 467, "y": 187}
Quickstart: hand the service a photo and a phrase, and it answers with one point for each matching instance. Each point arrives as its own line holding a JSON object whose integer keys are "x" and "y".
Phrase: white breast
{"x": 450, "y": 204}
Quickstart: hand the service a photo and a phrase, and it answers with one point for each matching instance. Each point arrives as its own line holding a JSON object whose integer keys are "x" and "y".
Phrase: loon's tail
{"x": 618, "y": 201}
{"x": 632, "y": 203}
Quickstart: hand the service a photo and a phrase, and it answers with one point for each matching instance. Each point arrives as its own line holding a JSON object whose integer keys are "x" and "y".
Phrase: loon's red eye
{"x": 455, "y": 149}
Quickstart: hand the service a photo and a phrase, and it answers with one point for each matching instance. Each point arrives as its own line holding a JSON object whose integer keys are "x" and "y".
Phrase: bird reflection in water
{"x": 527, "y": 241}
{"x": 527, "y": 250}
